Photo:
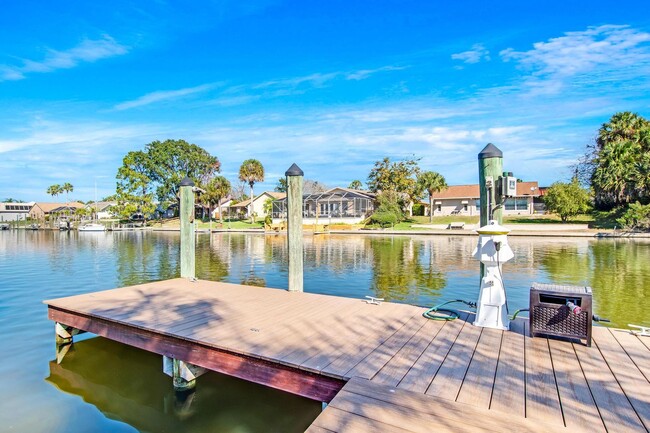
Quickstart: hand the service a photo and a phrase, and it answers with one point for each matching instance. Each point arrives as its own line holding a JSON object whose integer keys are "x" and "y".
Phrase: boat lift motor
{"x": 492, "y": 250}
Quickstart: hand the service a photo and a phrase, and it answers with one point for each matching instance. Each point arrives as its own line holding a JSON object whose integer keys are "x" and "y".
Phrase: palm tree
{"x": 355, "y": 184}
{"x": 250, "y": 172}
{"x": 215, "y": 190}
{"x": 54, "y": 190}
{"x": 432, "y": 182}
{"x": 67, "y": 188}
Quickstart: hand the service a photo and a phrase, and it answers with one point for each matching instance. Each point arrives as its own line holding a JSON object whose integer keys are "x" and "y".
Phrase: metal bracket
{"x": 374, "y": 301}
{"x": 644, "y": 330}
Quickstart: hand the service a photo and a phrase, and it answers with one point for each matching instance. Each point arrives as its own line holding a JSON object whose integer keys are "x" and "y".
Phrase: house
{"x": 15, "y": 211}
{"x": 103, "y": 209}
{"x": 242, "y": 208}
{"x": 222, "y": 208}
{"x": 40, "y": 210}
{"x": 336, "y": 205}
{"x": 465, "y": 200}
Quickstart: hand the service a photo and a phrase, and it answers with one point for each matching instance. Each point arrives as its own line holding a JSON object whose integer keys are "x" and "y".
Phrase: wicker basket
{"x": 550, "y": 315}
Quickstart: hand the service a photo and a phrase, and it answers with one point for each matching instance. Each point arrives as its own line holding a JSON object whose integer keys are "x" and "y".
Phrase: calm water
{"x": 107, "y": 387}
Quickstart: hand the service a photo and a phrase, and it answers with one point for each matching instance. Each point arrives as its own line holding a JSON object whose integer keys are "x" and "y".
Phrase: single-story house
{"x": 42, "y": 210}
{"x": 336, "y": 205}
{"x": 103, "y": 209}
{"x": 465, "y": 200}
{"x": 242, "y": 208}
{"x": 222, "y": 208}
{"x": 15, "y": 211}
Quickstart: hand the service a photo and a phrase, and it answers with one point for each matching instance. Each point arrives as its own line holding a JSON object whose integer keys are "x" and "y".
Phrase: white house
{"x": 15, "y": 211}
{"x": 465, "y": 200}
{"x": 242, "y": 208}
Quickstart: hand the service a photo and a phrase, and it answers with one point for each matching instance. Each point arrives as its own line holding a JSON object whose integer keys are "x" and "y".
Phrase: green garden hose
{"x": 445, "y": 314}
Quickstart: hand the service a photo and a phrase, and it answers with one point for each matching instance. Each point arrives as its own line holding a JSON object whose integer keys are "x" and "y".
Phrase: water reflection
{"x": 128, "y": 385}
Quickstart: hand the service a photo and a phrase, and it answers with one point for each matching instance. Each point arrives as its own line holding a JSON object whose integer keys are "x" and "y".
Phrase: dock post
{"x": 294, "y": 226}
{"x": 63, "y": 338}
{"x": 186, "y": 208}
{"x": 183, "y": 373}
{"x": 490, "y": 167}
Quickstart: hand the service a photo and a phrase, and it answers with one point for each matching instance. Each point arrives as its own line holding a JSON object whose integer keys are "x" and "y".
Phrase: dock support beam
{"x": 294, "y": 226}
{"x": 490, "y": 166}
{"x": 183, "y": 373}
{"x": 188, "y": 241}
{"x": 63, "y": 337}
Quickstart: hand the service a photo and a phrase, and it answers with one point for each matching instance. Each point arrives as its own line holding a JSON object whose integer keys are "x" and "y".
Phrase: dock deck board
{"x": 447, "y": 375}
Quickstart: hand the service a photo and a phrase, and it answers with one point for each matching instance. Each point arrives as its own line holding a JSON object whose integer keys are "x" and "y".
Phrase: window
{"x": 465, "y": 207}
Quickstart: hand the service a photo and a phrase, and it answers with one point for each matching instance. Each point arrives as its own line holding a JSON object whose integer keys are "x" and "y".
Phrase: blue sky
{"x": 330, "y": 85}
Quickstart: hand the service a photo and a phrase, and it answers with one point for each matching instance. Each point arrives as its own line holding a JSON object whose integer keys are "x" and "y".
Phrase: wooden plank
{"x": 423, "y": 371}
{"x": 315, "y": 429}
{"x": 578, "y": 405}
{"x": 442, "y": 412}
{"x": 372, "y": 363}
{"x": 348, "y": 360}
{"x": 614, "y": 408}
{"x": 542, "y": 400}
{"x": 395, "y": 370}
{"x": 448, "y": 380}
{"x": 509, "y": 394}
{"x": 635, "y": 349}
{"x": 632, "y": 381}
{"x": 477, "y": 385}
{"x": 315, "y": 387}
{"x": 336, "y": 420}
{"x": 364, "y": 333}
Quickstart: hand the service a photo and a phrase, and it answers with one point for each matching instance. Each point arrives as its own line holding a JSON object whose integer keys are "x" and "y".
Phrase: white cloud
{"x": 163, "y": 95}
{"x": 600, "y": 53}
{"x": 475, "y": 55}
{"x": 87, "y": 51}
{"x": 365, "y": 73}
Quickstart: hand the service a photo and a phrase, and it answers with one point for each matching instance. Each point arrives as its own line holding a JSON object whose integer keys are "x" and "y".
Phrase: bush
{"x": 388, "y": 211}
{"x": 384, "y": 218}
{"x": 637, "y": 217}
{"x": 418, "y": 209}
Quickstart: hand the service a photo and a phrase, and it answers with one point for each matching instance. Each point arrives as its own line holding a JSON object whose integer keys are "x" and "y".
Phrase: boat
{"x": 32, "y": 226}
{"x": 4, "y": 226}
{"x": 92, "y": 227}
{"x": 64, "y": 225}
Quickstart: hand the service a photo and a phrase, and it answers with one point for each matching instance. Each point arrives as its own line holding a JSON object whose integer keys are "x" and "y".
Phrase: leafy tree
{"x": 251, "y": 172}
{"x": 637, "y": 217}
{"x": 355, "y": 184}
{"x": 389, "y": 209}
{"x": 399, "y": 177}
{"x": 618, "y": 165}
{"x": 281, "y": 185}
{"x": 567, "y": 199}
{"x": 156, "y": 172}
{"x": 431, "y": 182}
{"x": 216, "y": 190}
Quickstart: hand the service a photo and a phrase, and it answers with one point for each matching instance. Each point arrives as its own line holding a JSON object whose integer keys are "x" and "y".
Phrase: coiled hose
{"x": 446, "y": 314}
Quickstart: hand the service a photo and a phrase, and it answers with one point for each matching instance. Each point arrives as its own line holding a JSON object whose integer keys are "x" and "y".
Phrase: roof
{"x": 472, "y": 191}
{"x": 271, "y": 194}
{"x": 101, "y": 205}
{"x": 49, "y": 207}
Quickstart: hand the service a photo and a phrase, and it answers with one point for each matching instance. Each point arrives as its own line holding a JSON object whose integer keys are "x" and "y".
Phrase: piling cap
{"x": 493, "y": 228}
{"x": 187, "y": 182}
{"x": 294, "y": 170}
{"x": 490, "y": 151}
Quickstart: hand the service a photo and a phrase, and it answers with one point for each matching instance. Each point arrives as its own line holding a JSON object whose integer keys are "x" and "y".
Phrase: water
{"x": 103, "y": 386}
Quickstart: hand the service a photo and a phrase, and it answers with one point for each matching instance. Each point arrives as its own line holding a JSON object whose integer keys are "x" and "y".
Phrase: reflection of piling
{"x": 294, "y": 226}
{"x": 186, "y": 209}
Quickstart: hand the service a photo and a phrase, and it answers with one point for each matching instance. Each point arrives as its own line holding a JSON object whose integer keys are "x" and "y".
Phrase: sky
{"x": 332, "y": 86}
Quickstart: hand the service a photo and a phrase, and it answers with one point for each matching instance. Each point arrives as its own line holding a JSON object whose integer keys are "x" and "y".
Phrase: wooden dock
{"x": 381, "y": 367}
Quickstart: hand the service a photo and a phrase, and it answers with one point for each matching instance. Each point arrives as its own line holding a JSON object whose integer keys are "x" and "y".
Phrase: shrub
{"x": 637, "y": 217}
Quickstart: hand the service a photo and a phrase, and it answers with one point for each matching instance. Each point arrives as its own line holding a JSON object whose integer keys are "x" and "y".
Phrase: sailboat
{"x": 93, "y": 226}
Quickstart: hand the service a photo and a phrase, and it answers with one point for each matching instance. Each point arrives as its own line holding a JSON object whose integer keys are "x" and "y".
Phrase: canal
{"x": 103, "y": 386}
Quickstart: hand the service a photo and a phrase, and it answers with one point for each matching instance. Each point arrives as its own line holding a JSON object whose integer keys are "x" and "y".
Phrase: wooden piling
{"x": 188, "y": 267}
{"x": 490, "y": 164}
{"x": 294, "y": 227}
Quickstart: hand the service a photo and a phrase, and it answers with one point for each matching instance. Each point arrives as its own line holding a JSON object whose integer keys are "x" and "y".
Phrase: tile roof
{"x": 472, "y": 191}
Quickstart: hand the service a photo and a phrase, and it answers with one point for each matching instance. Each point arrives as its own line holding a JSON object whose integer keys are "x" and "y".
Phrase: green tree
{"x": 216, "y": 189}
{"x": 54, "y": 190}
{"x": 135, "y": 188}
{"x": 636, "y": 217}
{"x": 567, "y": 199}
{"x": 13, "y": 200}
{"x": 355, "y": 184}
{"x": 431, "y": 182}
{"x": 251, "y": 172}
{"x": 618, "y": 164}
{"x": 389, "y": 209}
{"x": 281, "y": 186}
{"x": 399, "y": 177}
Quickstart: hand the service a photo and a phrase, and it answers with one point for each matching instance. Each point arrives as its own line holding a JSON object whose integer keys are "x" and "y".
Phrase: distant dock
{"x": 381, "y": 367}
